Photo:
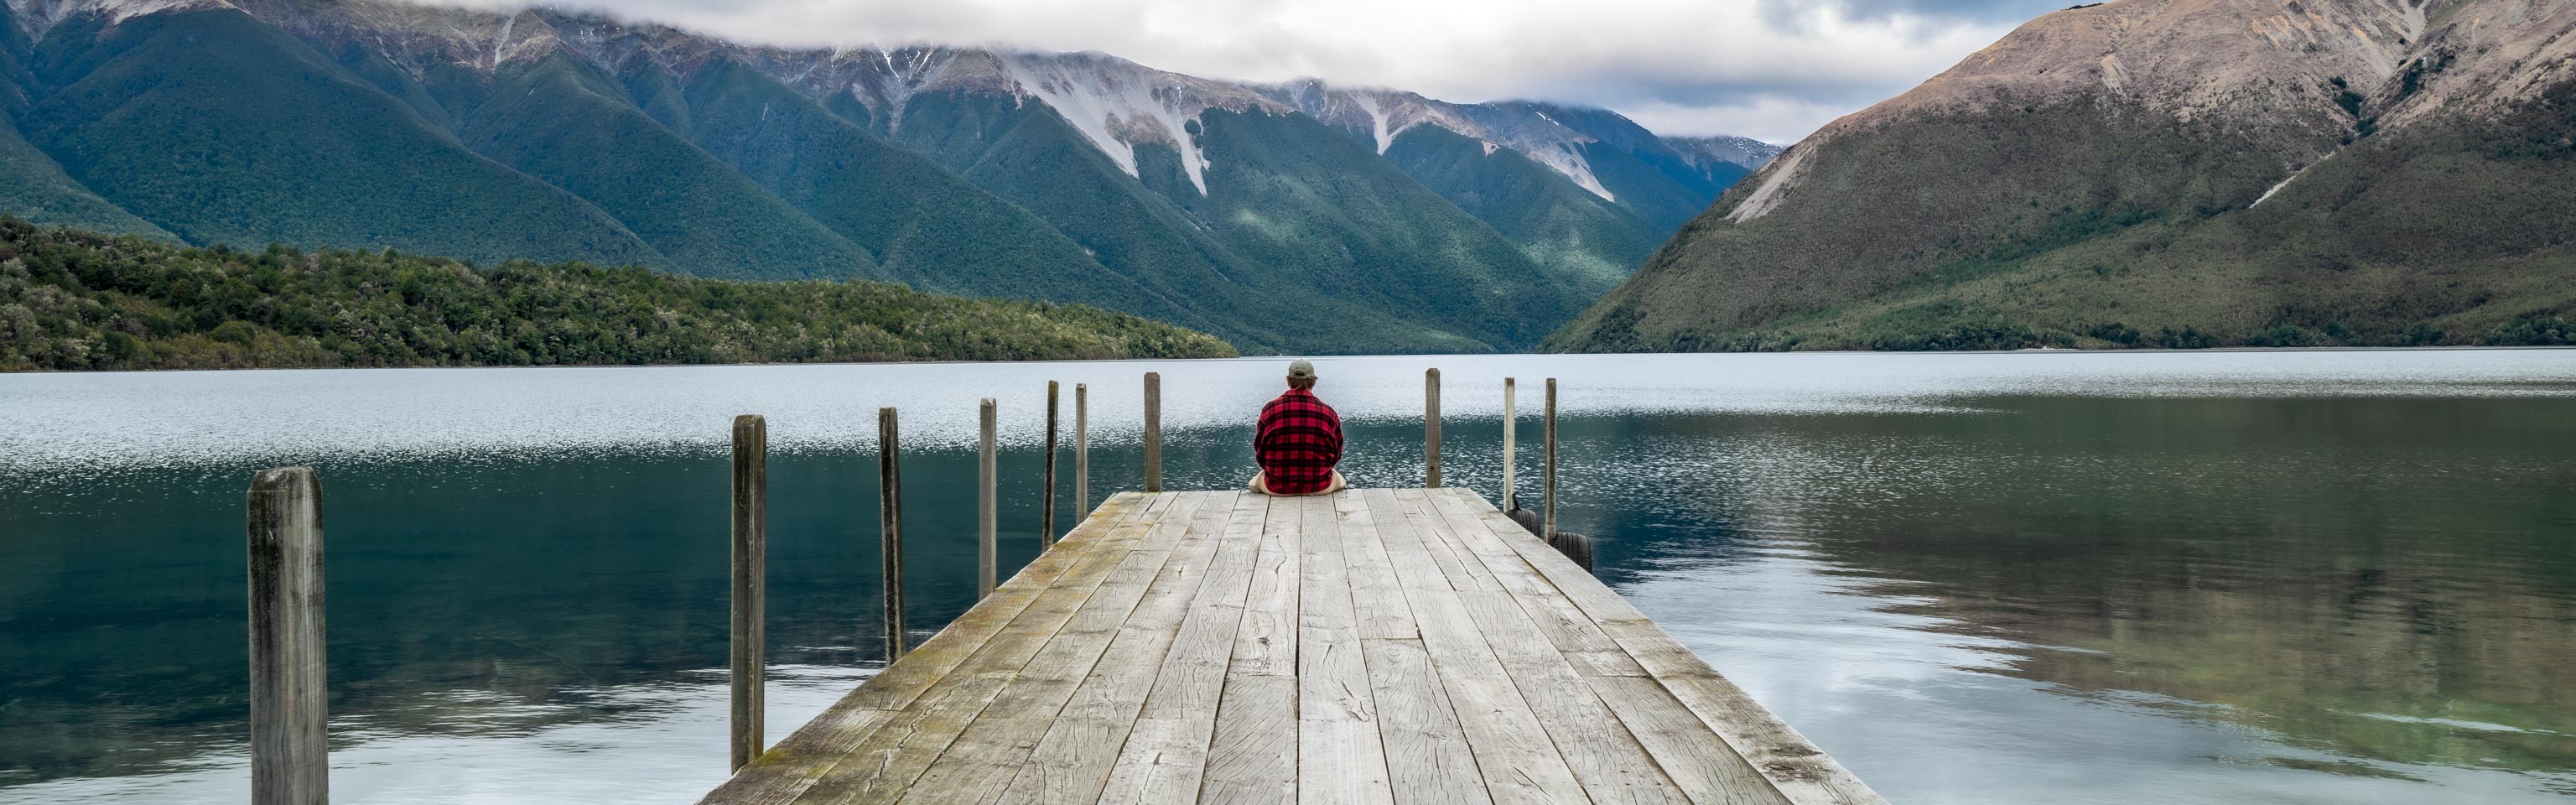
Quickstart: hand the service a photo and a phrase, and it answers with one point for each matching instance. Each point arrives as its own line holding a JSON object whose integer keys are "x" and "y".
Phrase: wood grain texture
{"x": 1192, "y": 675}
{"x": 1252, "y": 755}
{"x": 1377, "y": 593}
{"x": 750, "y": 585}
{"x": 1427, "y": 759}
{"x": 1161, "y": 763}
{"x": 890, "y": 531}
{"x": 1074, "y": 759}
{"x": 1701, "y": 763}
{"x": 290, "y": 756}
{"x": 1404, "y": 647}
{"x": 1046, "y": 488}
{"x": 1153, "y": 431}
{"x": 1431, "y": 428}
{"x": 987, "y": 499}
{"x": 1265, "y": 643}
{"x": 1332, "y": 677}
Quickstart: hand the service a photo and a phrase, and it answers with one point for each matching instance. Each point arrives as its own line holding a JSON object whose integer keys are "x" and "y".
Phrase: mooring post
{"x": 890, "y": 528}
{"x": 1046, "y": 509}
{"x": 1547, "y": 529}
{"x": 1081, "y": 452}
{"x": 1510, "y": 499}
{"x": 1431, "y": 428}
{"x": 289, "y": 757}
{"x": 1153, "y": 431}
{"x": 987, "y": 507}
{"x": 750, "y": 579}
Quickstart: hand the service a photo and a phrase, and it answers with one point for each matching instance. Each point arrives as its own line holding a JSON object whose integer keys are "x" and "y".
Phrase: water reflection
{"x": 2373, "y": 586}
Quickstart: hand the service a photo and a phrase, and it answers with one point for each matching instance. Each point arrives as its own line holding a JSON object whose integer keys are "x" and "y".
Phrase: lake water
{"x": 2256, "y": 577}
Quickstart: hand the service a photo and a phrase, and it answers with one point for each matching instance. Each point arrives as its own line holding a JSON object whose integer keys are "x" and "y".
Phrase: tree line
{"x": 75, "y": 300}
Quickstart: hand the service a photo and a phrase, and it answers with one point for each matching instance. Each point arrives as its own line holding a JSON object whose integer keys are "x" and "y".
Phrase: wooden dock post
{"x": 890, "y": 528}
{"x": 1547, "y": 529}
{"x": 1153, "y": 431}
{"x": 750, "y": 580}
{"x": 1081, "y": 451}
{"x": 1431, "y": 428}
{"x": 987, "y": 506}
{"x": 1511, "y": 499}
{"x": 289, "y": 756}
{"x": 1046, "y": 508}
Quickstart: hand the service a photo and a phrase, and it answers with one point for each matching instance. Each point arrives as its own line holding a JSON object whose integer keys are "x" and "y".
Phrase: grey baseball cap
{"x": 1301, "y": 370}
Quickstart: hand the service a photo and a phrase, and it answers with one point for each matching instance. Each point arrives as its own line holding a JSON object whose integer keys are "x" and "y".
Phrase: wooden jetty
{"x": 1395, "y": 646}
{"x": 1400, "y": 646}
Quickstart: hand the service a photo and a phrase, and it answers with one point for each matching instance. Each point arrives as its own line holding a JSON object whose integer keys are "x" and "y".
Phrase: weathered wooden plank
{"x": 1447, "y": 550}
{"x": 1408, "y": 558}
{"x": 1376, "y": 592}
{"x": 779, "y": 775}
{"x": 1192, "y": 675}
{"x": 1800, "y": 771}
{"x": 1520, "y": 764}
{"x": 1597, "y": 600}
{"x": 1265, "y": 643}
{"x": 1702, "y": 764}
{"x": 1427, "y": 759}
{"x": 1339, "y": 754}
{"x": 1042, "y": 685}
{"x": 1252, "y": 755}
{"x": 1161, "y": 763}
{"x": 1792, "y": 764}
{"x": 1340, "y": 763}
{"x": 925, "y": 665}
{"x": 886, "y": 762}
{"x": 1074, "y": 760}
{"x": 1332, "y": 676}
{"x": 1456, "y": 646}
{"x": 1581, "y": 641}
{"x": 1610, "y": 763}
{"x": 977, "y": 768}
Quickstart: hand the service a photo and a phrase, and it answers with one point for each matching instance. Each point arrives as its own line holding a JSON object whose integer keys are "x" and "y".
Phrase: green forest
{"x": 75, "y": 300}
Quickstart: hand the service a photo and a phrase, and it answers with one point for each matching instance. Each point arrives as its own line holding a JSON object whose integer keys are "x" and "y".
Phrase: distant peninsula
{"x": 75, "y": 300}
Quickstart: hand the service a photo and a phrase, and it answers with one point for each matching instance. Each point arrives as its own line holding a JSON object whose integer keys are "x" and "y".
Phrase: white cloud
{"x": 1771, "y": 69}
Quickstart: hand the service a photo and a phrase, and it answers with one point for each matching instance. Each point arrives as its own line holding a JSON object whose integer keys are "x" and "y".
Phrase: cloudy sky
{"x": 1769, "y": 69}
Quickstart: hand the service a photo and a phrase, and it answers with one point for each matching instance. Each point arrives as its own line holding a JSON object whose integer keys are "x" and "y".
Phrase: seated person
{"x": 1299, "y": 442}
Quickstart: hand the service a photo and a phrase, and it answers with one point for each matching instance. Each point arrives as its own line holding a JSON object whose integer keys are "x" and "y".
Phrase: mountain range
{"x": 2168, "y": 173}
{"x": 1299, "y": 217}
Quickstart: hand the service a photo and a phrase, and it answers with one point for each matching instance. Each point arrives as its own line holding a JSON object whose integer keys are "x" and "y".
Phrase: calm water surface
{"x": 2291, "y": 577}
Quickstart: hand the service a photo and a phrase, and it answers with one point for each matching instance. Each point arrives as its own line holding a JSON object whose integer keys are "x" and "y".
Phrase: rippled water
{"x": 2203, "y": 577}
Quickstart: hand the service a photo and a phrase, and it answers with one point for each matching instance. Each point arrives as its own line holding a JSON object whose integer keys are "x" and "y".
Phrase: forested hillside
{"x": 77, "y": 300}
{"x": 1275, "y": 217}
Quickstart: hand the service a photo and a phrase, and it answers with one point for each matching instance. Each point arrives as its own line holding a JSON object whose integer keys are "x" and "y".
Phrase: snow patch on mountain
{"x": 1119, "y": 104}
{"x": 40, "y": 16}
{"x": 1384, "y": 114}
{"x": 1377, "y": 124}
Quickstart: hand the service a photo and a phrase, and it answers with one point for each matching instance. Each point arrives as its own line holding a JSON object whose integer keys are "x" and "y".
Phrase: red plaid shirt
{"x": 1299, "y": 442}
